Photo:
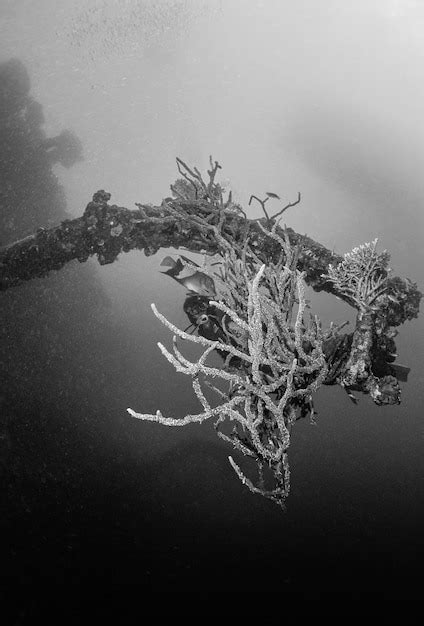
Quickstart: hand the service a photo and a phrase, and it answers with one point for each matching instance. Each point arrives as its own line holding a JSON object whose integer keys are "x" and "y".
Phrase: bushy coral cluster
{"x": 362, "y": 275}
{"x": 273, "y": 353}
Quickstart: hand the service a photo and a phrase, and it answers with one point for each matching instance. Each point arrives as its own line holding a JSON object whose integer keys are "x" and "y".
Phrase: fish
{"x": 271, "y": 194}
{"x": 198, "y": 282}
{"x": 168, "y": 261}
{"x": 401, "y": 371}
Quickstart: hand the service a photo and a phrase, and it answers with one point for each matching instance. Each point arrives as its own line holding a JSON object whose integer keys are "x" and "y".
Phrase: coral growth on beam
{"x": 275, "y": 354}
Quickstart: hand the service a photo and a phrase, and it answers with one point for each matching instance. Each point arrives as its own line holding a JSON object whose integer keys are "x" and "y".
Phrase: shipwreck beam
{"x": 106, "y": 231}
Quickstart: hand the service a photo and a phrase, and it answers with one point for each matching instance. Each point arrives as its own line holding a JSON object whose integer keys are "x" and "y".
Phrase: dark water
{"x": 90, "y": 495}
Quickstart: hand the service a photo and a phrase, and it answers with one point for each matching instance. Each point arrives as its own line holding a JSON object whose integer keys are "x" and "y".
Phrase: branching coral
{"x": 275, "y": 355}
{"x": 362, "y": 275}
{"x": 274, "y": 359}
{"x": 281, "y": 365}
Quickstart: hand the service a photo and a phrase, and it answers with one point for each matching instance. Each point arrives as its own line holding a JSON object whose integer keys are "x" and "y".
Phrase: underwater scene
{"x": 211, "y": 273}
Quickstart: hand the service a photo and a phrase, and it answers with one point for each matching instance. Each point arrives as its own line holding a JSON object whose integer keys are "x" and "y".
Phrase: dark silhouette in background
{"x": 65, "y": 149}
{"x": 30, "y": 195}
{"x": 49, "y": 332}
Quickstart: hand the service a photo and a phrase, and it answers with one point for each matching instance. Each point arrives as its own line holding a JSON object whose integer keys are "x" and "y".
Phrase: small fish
{"x": 204, "y": 317}
{"x": 270, "y": 194}
{"x": 198, "y": 282}
{"x": 176, "y": 266}
{"x": 351, "y": 396}
{"x": 169, "y": 261}
{"x": 401, "y": 371}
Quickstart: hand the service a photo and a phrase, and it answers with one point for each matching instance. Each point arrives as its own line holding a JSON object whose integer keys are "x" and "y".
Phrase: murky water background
{"x": 323, "y": 98}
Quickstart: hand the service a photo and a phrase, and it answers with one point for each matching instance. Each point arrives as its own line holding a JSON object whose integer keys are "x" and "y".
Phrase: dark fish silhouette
{"x": 401, "y": 371}
{"x": 270, "y": 194}
{"x": 198, "y": 282}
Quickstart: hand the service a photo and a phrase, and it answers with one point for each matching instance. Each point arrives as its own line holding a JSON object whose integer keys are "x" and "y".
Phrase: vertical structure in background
{"x": 45, "y": 324}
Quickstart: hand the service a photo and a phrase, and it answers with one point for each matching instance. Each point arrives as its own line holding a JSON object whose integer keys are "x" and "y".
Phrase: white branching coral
{"x": 274, "y": 353}
{"x": 273, "y": 357}
{"x": 270, "y": 364}
{"x": 362, "y": 275}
